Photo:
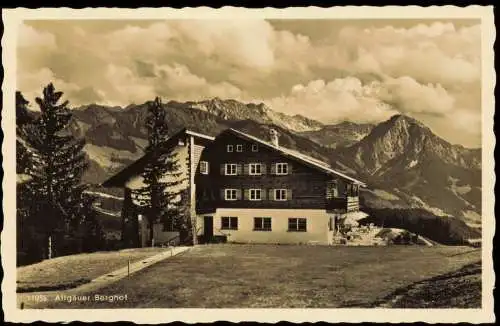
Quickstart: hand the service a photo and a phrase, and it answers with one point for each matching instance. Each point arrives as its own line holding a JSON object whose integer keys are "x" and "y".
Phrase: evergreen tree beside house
{"x": 51, "y": 201}
{"x": 160, "y": 198}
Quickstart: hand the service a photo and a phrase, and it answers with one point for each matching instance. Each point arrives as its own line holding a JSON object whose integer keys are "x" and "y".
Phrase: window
{"x": 255, "y": 169}
{"x": 352, "y": 190}
{"x": 169, "y": 226}
{"x": 297, "y": 224}
{"x": 230, "y": 194}
{"x": 229, "y": 148}
{"x": 255, "y": 194}
{"x": 262, "y": 224}
{"x": 281, "y": 168}
{"x": 239, "y": 148}
{"x": 255, "y": 148}
{"x": 229, "y": 223}
{"x": 230, "y": 169}
{"x": 332, "y": 189}
{"x": 204, "y": 167}
{"x": 280, "y": 194}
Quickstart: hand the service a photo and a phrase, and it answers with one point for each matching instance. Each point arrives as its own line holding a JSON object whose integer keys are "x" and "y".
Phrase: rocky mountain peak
{"x": 404, "y": 138}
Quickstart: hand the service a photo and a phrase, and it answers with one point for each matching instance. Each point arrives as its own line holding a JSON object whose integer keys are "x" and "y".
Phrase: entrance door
{"x": 208, "y": 228}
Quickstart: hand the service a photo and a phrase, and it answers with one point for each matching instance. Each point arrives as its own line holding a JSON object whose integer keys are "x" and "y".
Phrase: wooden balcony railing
{"x": 347, "y": 204}
{"x": 340, "y": 204}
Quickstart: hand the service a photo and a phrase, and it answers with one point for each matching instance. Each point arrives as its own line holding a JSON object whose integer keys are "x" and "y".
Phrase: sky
{"x": 331, "y": 70}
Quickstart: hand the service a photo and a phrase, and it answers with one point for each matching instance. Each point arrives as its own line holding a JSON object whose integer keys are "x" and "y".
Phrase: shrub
{"x": 443, "y": 229}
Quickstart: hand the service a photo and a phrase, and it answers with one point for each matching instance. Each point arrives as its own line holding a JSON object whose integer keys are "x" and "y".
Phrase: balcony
{"x": 342, "y": 204}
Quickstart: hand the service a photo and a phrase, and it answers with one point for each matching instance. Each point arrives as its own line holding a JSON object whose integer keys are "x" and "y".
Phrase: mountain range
{"x": 404, "y": 164}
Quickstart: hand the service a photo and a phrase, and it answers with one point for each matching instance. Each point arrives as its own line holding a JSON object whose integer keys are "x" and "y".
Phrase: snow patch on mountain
{"x": 385, "y": 195}
{"x": 84, "y": 127}
{"x": 472, "y": 219}
{"x": 459, "y": 190}
{"x": 412, "y": 163}
{"x": 435, "y": 210}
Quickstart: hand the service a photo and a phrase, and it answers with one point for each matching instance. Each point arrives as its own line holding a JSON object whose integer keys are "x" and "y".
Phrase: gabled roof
{"x": 196, "y": 134}
{"x": 119, "y": 179}
{"x": 296, "y": 156}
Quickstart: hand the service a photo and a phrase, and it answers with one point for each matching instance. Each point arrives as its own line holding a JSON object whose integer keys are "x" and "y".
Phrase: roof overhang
{"x": 121, "y": 178}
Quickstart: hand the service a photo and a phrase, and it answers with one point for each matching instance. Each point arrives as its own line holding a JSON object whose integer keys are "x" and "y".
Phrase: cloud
{"x": 32, "y": 85}
{"x": 460, "y": 126}
{"x": 86, "y": 95}
{"x": 408, "y": 96}
{"x": 178, "y": 79}
{"x": 335, "y": 101}
{"x": 468, "y": 121}
{"x": 436, "y": 53}
{"x": 231, "y": 40}
{"x": 144, "y": 69}
{"x": 125, "y": 87}
{"x": 32, "y": 38}
{"x": 335, "y": 71}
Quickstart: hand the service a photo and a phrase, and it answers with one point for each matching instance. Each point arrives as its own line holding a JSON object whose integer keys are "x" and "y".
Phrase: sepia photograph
{"x": 246, "y": 159}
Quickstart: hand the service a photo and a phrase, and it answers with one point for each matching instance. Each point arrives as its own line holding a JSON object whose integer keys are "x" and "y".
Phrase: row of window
{"x": 239, "y": 148}
{"x": 247, "y": 169}
{"x": 264, "y": 224}
{"x": 258, "y": 194}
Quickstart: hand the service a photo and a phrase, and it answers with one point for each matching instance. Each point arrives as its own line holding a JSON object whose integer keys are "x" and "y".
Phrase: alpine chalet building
{"x": 244, "y": 189}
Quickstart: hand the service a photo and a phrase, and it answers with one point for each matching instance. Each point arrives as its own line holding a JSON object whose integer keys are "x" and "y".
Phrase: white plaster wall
{"x": 317, "y": 226}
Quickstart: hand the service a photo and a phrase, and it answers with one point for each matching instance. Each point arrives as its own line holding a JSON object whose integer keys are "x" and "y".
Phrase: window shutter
{"x": 222, "y": 194}
{"x": 222, "y": 169}
{"x": 246, "y": 194}
{"x": 273, "y": 168}
{"x": 246, "y": 169}
{"x": 238, "y": 169}
{"x": 271, "y": 194}
{"x": 263, "y": 194}
{"x": 288, "y": 194}
{"x": 263, "y": 168}
{"x": 289, "y": 168}
{"x": 238, "y": 194}
{"x": 208, "y": 167}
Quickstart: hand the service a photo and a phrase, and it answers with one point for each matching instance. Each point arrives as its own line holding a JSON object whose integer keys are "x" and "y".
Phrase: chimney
{"x": 274, "y": 137}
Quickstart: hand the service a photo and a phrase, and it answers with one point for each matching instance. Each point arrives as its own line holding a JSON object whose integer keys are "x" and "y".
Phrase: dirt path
{"x": 34, "y": 299}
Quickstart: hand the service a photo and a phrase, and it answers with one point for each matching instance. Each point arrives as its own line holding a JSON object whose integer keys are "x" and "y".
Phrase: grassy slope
{"x": 232, "y": 276}
{"x": 71, "y": 271}
{"x": 458, "y": 289}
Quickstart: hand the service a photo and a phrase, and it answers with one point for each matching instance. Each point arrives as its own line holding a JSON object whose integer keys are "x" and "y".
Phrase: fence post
{"x": 50, "y": 247}
{"x": 128, "y": 268}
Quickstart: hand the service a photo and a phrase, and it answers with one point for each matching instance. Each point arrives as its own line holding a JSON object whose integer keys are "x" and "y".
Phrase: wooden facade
{"x": 307, "y": 187}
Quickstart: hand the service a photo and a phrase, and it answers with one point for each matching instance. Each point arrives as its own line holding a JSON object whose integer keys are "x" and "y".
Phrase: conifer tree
{"x": 56, "y": 165}
{"x": 23, "y": 120}
{"x": 159, "y": 197}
